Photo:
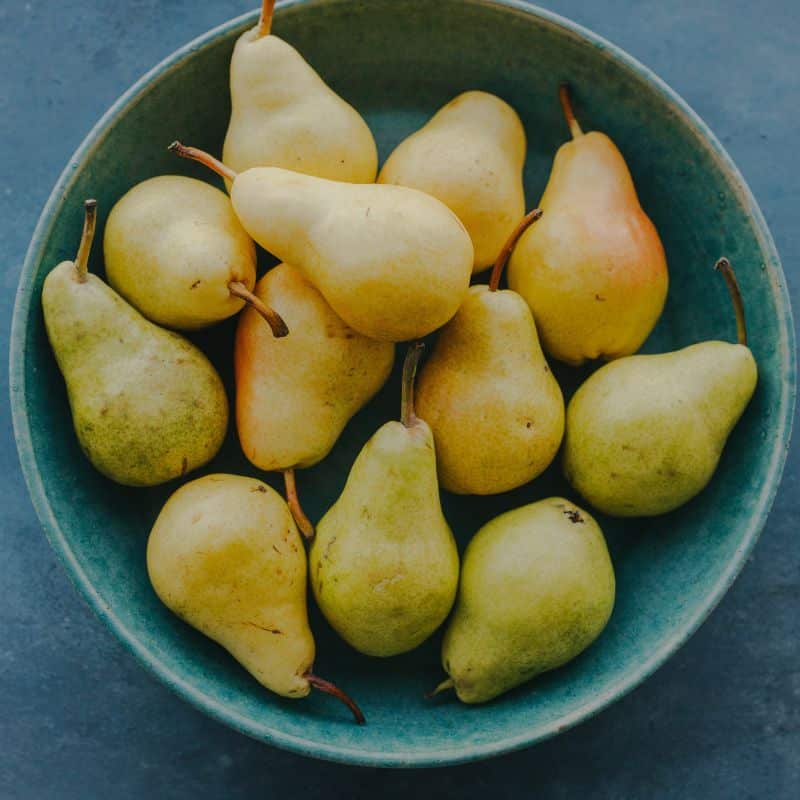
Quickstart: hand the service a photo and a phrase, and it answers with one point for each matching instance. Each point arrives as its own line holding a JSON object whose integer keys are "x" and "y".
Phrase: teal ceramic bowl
{"x": 397, "y": 61}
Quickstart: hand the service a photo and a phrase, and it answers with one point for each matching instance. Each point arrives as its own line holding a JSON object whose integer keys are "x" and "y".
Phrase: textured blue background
{"x": 80, "y": 719}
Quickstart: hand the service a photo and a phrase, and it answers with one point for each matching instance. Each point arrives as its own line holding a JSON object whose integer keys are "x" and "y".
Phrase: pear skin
{"x": 593, "y": 270}
{"x": 537, "y": 588}
{"x": 146, "y": 404}
{"x": 384, "y": 564}
{"x": 295, "y": 395}
{"x": 172, "y": 247}
{"x": 284, "y": 115}
{"x": 470, "y": 156}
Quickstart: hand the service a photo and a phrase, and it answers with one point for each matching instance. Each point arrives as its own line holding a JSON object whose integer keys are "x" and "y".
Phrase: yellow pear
{"x": 470, "y": 156}
{"x": 226, "y": 557}
{"x": 495, "y": 409}
{"x": 284, "y": 115}
{"x": 594, "y": 271}
{"x": 394, "y": 263}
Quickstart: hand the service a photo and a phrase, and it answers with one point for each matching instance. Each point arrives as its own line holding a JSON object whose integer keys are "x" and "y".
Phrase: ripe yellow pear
{"x": 175, "y": 250}
{"x": 284, "y": 115}
{"x": 226, "y": 557}
{"x": 394, "y": 263}
{"x": 295, "y": 395}
{"x": 146, "y": 404}
{"x": 495, "y": 409}
{"x": 645, "y": 433}
{"x": 384, "y": 564}
{"x": 594, "y": 271}
{"x": 470, "y": 156}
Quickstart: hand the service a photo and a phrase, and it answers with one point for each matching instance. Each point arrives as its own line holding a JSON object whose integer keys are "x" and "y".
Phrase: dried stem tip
{"x": 335, "y": 691}
{"x": 566, "y": 106}
{"x": 206, "y": 159}
{"x": 724, "y": 266}
{"x": 407, "y": 415}
{"x": 264, "y": 27}
{"x": 273, "y": 318}
{"x": 509, "y": 246}
{"x": 87, "y": 237}
{"x": 304, "y": 524}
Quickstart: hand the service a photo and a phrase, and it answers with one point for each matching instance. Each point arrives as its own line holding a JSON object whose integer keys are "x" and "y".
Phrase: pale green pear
{"x": 537, "y": 588}
{"x": 284, "y": 115}
{"x": 470, "y": 156}
{"x": 495, "y": 409}
{"x": 384, "y": 564}
{"x": 176, "y": 251}
{"x": 226, "y": 557}
{"x": 147, "y": 405}
{"x": 394, "y": 263}
{"x": 644, "y": 434}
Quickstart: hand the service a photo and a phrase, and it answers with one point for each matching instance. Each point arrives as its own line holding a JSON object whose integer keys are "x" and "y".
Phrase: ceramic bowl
{"x": 398, "y": 61}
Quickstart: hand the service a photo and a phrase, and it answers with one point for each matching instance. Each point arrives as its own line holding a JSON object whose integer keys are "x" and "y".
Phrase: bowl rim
{"x": 326, "y": 749}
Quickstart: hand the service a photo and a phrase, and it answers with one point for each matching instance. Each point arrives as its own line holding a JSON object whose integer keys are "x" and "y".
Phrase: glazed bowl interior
{"x": 397, "y": 61}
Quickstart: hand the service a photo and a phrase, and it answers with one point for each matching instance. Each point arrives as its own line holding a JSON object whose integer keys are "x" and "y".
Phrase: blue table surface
{"x": 80, "y": 719}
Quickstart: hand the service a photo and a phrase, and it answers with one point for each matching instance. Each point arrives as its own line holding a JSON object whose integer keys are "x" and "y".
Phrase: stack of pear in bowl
{"x": 369, "y": 260}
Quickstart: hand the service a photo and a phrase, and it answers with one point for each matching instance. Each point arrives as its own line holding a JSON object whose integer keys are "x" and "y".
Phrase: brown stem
{"x": 508, "y": 247}
{"x": 87, "y": 237}
{"x": 335, "y": 691}
{"x": 407, "y": 415}
{"x": 293, "y": 501}
{"x": 566, "y": 106}
{"x": 265, "y": 20}
{"x": 206, "y": 159}
{"x": 724, "y": 266}
{"x": 444, "y": 686}
{"x": 273, "y": 318}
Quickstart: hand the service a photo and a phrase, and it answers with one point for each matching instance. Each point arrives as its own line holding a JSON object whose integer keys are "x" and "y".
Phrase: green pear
{"x": 284, "y": 115}
{"x": 226, "y": 557}
{"x": 394, "y": 263}
{"x": 384, "y": 564}
{"x": 594, "y": 271}
{"x": 470, "y": 156}
{"x": 495, "y": 409}
{"x": 644, "y": 434}
{"x": 147, "y": 405}
{"x": 175, "y": 250}
{"x": 537, "y": 588}
{"x": 295, "y": 395}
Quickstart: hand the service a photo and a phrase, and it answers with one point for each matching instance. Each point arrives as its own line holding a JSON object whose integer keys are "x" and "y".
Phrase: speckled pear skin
{"x": 495, "y": 409}
{"x": 470, "y": 156}
{"x": 284, "y": 115}
{"x": 294, "y": 395}
{"x": 172, "y": 245}
{"x": 146, "y": 404}
{"x": 593, "y": 269}
{"x": 537, "y": 588}
{"x": 394, "y": 263}
{"x": 226, "y": 557}
{"x": 384, "y": 564}
{"x": 645, "y": 433}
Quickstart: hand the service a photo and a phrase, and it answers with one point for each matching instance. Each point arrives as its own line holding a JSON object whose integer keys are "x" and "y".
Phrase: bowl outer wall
{"x": 330, "y": 749}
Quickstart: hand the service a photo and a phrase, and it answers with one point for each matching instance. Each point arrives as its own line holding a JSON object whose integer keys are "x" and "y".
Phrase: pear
{"x": 384, "y": 564}
{"x": 470, "y": 156}
{"x": 594, "y": 272}
{"x": 226, "y": 557}
{"x": 295, "y": 395}
{"x": 175, "y": 250}
{"x": 284, "y": 115}
{"x": 644, "y": 434}
{"x": 495, "y": 409}
{"x": 394, "y": 263}
{"x": 537, "y": 588}
{"x": 147, "y": 405}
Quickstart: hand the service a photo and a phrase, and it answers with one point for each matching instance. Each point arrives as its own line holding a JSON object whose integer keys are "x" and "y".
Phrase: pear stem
{"x": 293, "y": 501}
{"x": 273, "y": 318}
{"x": 206, "y": 159}
{"x": 724, "y": 266}
{"x": 566, "y": 106}
{"x": 335, "y": 691}
{"x": 444, "y": 686}
{"x": 407, "y": 415}
{"x": 265, "y": 20}
{"x": 509, "y": 246}
{"x": 87, "y": 237}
